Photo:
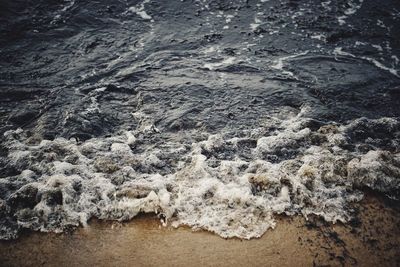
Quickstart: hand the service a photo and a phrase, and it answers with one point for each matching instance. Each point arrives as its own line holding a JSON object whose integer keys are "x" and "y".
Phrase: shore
{"x": 372, "y": 239}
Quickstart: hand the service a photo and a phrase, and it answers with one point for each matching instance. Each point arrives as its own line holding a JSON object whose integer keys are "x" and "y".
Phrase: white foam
{"x": 226, "y": 62}
{"x": 320, "y": 37}
{"x": 58, "y": 16}
{"x": 279, "y": 62}
{"x": 232, "y": 196}
{"x": 326, "y": 5}
{"x": 339, "y": 51}
{"x": 256, "y": 24}
{"x": 140, "y": 11}
{"x": 396, "y": 59}
{"x": 381, "y": 66}
{"x": 228, "y": 18}
{"x": 351, "y": 10}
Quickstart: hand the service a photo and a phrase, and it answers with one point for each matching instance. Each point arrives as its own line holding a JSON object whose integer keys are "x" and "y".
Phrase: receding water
{"x": 213, "y": 114}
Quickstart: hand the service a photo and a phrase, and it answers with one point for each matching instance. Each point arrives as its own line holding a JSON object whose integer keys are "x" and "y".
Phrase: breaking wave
{"x": 218, "y": 115}
{"x": 232, "y": 186}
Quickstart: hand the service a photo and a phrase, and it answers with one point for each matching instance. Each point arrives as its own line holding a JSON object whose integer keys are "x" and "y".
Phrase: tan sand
{"x": 374, "y": 240}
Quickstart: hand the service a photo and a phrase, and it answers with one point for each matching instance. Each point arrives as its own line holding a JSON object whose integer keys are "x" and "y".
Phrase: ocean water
{"x": 218, "y": 115}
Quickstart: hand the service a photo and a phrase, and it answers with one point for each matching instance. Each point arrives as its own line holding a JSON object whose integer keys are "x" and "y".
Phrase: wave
{"x": 232, "y": 186}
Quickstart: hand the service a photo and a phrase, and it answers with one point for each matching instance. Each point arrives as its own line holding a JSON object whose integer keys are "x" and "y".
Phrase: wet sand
{"x": 373, "y": 239}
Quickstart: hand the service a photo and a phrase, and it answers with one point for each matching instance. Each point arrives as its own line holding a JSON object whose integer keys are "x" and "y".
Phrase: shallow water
{"x": 214, "y": 114}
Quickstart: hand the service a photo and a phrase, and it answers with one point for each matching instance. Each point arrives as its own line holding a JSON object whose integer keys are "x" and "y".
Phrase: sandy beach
{"x": 372, "y": 239}
{"x": 267, "y": 131}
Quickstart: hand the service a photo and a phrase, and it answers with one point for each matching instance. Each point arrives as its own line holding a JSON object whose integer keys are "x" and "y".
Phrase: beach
{"x": 373, "y": 239}
{"x": 199, "y": 133}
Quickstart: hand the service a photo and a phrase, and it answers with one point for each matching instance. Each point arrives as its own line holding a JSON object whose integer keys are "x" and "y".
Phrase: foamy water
{"x": 214, "y": 115}
{"x": 225, "y": 185}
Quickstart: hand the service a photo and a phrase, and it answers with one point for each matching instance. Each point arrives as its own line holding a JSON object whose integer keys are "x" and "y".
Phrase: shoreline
{"x": 373, "y": 239}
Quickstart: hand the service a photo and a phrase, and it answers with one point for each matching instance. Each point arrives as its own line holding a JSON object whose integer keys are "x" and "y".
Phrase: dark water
{"x": 214, "y": 114}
